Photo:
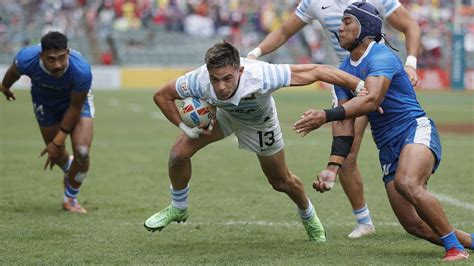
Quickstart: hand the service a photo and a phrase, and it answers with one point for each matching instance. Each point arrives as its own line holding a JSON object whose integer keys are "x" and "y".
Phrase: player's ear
{"x": 241, "y": 70}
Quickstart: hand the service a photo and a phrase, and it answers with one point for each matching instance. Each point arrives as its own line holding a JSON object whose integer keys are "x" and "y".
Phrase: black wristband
{"x": 335, "y": 114}
{"x": 64, "y": 130}
{"x": 336, "y": 164}
{"x": 341, "y": 145}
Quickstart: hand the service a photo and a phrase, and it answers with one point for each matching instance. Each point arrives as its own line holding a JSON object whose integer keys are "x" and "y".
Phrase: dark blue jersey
{"x": 401, "y": 108}
{"x": 52, "y": 90}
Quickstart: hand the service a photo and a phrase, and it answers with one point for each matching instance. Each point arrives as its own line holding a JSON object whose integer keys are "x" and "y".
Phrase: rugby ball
{"x": 196, "y": 112}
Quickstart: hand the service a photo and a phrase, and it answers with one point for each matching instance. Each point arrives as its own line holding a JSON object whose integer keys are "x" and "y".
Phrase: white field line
{"x": 135, "y": 108}
{"x": 158, "y": 115}
{"x": 267, "y": 223}
{"x": 114, "y": 102}
{"x": 296, "y": 224}
{"x": 452, "y": 201}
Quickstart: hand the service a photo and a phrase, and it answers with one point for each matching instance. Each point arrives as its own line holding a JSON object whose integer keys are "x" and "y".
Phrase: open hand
{"x": 8, "y": 93}
{"x": 54, "y": 154}
{"x": 325, "y": 181}
{"x": 309, "y": 121}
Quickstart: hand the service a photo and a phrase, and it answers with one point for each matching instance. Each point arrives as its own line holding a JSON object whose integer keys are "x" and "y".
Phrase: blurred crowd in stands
{"x": 97, "y": 23}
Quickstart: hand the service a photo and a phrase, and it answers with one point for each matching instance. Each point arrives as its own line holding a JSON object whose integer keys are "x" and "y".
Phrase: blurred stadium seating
{"x": 178, "y": 32}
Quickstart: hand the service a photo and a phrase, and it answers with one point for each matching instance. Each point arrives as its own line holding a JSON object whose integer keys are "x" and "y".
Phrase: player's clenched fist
{"x": 325, "y": 181}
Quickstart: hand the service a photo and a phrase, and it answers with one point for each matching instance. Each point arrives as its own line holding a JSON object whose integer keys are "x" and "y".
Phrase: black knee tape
{"x": 341, "y": 145}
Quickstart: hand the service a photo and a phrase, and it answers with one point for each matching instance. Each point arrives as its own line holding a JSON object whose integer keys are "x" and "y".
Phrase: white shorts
{"x": 263, "y": 138}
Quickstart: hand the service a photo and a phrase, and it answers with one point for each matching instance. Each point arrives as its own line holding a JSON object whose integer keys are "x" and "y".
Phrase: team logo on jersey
{"x": 184, "y": 86}
{"x": 249, "y": 98}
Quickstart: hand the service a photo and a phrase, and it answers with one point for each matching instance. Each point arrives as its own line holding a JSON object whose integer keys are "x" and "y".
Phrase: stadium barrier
{"x": 129, "y": 78}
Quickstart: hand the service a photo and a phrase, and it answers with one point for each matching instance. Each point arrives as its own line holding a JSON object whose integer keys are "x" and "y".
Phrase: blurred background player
{"x": 63, "y": 104}
{"x": 329, "y": 14}
{"x": 241, "y": 89}
{"x": 408, "y": 141}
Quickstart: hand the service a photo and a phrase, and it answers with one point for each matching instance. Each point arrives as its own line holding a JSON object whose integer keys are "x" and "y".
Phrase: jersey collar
{"x": 367, "y": 51}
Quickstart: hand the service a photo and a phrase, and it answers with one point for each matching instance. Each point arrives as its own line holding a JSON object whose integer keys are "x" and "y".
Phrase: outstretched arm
{"x": 11, "y": 76}
{"x": 401, "y": 20}
{"x": 305, "y": 74}
{"x": 357, "y": 106}
{"x": 278, "y": 37}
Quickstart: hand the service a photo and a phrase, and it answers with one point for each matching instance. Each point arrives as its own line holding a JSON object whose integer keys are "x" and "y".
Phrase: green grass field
{"x": 236, "y": 217}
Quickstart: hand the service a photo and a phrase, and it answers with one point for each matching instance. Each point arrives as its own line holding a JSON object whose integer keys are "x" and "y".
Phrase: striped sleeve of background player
{"x": 275, "y": 77}
{"x": 304, "y": 11}
{"x": 188, "y": 85}
{"x": 386, "y": 7}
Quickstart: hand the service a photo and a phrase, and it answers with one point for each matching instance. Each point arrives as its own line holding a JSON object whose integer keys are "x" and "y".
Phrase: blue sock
{"x": 70, "y": 192}
{"x": 472, "y": 241}
{"x": 451, "y": 241}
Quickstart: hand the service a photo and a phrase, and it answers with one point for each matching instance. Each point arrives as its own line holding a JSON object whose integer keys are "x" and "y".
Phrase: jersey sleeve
{"x": 189, "y": 84}
{"x": 83, "y": 80}
{"x": 275, "y": 76}
{"x": 383, "y": 64}
{"x": 23, "y": 61}
{"x": 305, "y": 12}
{"x": 386, "y": 7}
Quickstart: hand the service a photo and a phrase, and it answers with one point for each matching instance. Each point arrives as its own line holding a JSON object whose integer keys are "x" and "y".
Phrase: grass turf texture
{"x": 235, "y": 216}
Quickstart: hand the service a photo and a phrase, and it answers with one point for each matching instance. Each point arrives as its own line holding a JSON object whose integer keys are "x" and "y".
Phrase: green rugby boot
{"x": 161, "y": 219}
{"x": 314, "y": 229}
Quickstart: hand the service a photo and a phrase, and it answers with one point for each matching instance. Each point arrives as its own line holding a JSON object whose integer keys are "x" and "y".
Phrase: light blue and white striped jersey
{"x": 252, "y": 102}
{"x": 329, "y": 14}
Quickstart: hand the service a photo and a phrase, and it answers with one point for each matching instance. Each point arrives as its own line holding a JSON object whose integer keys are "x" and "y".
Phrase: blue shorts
{"x": 423, "y": 131}
{"x": 49, "y": 113}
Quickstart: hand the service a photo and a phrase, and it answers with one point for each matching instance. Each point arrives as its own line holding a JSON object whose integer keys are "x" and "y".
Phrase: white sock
{"x": 363, "y": 215}
{"x": 179, "y": 198}
{"x": 308, "y": 213}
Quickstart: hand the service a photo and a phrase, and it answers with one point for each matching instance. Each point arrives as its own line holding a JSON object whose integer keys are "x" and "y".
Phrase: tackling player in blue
{"x": 328, "y": 13}
{"x": 403, "y": 134}
{"x": 63, "y": 105}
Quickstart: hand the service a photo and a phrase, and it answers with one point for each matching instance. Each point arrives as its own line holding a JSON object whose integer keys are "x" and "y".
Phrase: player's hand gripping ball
{"x": 196, "y": 112}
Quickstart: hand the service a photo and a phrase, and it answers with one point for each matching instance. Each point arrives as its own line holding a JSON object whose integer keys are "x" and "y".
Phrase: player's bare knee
{"x": 406, "y": 187}
{"x": 82, "y": 154}
{"x": 284, "y": 184}
{"x": 177, "y": 156}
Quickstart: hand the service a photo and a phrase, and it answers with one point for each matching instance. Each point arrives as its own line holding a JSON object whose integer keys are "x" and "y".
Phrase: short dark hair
{"x": 221, "y": 55}
{"x": 53, "y": 40}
